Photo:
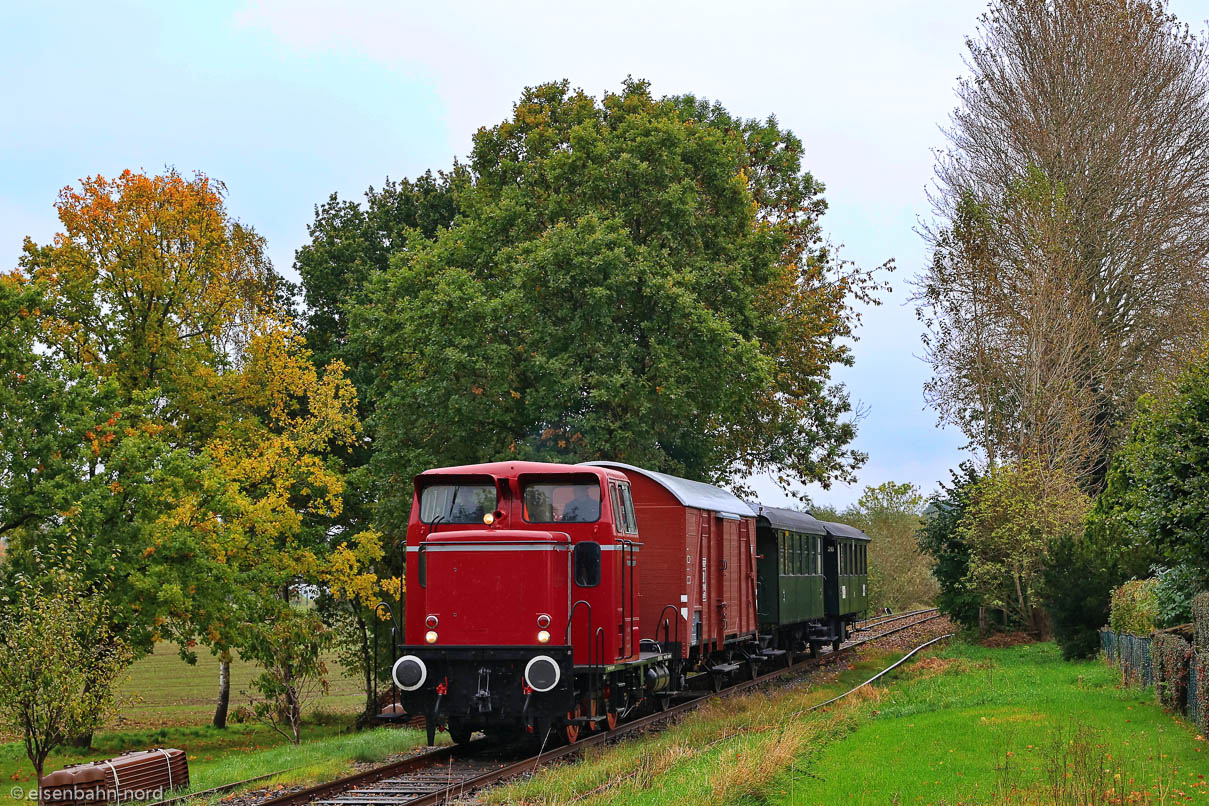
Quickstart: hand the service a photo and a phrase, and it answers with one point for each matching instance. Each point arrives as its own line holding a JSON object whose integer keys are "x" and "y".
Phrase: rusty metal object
{"x": 135, "y": 776}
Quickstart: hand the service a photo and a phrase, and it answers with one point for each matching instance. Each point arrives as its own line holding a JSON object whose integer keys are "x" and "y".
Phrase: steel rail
{"x": 454, "y": 788}
{"x": 877, "y": 622}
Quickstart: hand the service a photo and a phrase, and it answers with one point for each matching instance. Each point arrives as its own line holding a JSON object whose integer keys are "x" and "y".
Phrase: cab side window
{"x": 587, "y": 564}
{"x": 627, "y": 503}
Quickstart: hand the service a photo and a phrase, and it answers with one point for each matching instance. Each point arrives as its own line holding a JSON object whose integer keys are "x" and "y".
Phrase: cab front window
{"x": 457, "y": 503}
{"x": 562, "y": 501}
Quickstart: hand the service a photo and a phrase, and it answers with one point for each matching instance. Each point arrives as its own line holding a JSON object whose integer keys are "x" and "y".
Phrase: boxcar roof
{"x": 790, "y": 519}
{"x": 844, "y": 530}
{"x": 696, "y": 494}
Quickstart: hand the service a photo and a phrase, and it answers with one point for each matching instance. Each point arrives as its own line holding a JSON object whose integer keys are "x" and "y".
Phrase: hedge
{"x": 1171, "y": 656}
{"x": 1135, "y": 607}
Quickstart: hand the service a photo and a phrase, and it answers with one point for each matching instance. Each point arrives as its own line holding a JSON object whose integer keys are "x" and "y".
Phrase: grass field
{"x": 162, "y": 690}
{"x": 966, "y": 725}
{"x": 170, "y": 704}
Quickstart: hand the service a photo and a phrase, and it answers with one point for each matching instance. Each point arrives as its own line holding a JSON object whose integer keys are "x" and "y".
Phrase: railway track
{"x": 877, "y": 621}
{"x": 447, "y": 773}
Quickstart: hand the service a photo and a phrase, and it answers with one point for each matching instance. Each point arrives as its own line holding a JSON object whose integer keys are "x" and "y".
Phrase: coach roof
{"x": 790, "y": 520}
{"x": 695, "y": 494}
{"x": 844, "y": 530}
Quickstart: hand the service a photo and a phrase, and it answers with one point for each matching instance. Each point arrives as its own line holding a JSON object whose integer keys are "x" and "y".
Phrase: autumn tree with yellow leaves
{"x": 170, "y": 433}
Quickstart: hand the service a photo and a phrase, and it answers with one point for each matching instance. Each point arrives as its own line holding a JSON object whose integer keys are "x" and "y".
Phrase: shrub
{"x": 1176, "y": 587}
{"x": 1200, "y": 615}
{"x": 950, "y": 554}
{"x": 1171, "y": 655}
{"x": 1134, "y": 607}
{"x": 1076, "y": 584}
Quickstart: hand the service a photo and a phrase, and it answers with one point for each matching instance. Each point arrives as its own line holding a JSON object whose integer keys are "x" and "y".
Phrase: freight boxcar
{"x": 699, "y": 572}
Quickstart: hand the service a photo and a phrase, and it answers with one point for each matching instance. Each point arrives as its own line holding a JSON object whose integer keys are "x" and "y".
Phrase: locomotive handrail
{"x": 571, "y": 620}
{"x": 390, "y": 614}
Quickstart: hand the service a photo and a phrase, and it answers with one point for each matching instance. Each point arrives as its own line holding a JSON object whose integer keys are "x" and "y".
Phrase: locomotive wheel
{"x": 611, "y": 720}
{"x": 663, "y": 703}
{"x": 459, "y": 733}
{"x": 571, "y": 730}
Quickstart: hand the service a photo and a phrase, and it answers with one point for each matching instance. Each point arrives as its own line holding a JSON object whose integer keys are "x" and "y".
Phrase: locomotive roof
{"x": 790, "y": 519}
{"x": 695, "y": 494}
{"x": 503, "y": 469}
{"x": 844, "y": 530}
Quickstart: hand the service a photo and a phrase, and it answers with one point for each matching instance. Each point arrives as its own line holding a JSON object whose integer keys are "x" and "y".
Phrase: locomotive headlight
{"x": 543, "y": 637}
{"x": 489, "y": 519}
{"x": 431, "y": 636}
{"x": 542, "y": 673}
{"x": 409, "y": 673}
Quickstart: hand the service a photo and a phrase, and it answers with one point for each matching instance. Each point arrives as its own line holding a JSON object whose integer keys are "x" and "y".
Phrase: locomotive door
{"x": 629, "y": 597}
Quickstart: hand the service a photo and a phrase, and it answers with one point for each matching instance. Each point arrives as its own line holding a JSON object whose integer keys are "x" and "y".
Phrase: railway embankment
{"x": 958, "y": 724}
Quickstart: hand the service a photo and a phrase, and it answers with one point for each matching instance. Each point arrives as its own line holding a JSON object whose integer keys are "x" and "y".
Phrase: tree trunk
{"x": 367, "y": 663}
{"x": 224, "y": 690}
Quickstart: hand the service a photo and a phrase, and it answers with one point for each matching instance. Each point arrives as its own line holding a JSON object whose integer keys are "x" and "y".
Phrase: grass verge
{"x": 1015, "y": 725}
{"x": 964, "y": 725}
{"x": 218, "y": 757}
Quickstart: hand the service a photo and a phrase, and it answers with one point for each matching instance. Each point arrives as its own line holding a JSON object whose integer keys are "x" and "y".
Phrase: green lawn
{"x": 965, "y": 725}
{"x": 989, "y": 725}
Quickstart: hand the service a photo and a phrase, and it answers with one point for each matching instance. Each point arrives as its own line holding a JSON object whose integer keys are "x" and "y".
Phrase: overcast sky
{"x": 288, "y": 100}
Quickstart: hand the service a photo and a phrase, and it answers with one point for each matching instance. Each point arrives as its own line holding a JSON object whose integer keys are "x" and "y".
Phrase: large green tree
{"x": 632, "y": 278}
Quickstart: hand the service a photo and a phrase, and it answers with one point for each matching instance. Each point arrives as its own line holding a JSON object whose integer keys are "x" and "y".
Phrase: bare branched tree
{"x": 1070, "y": 261}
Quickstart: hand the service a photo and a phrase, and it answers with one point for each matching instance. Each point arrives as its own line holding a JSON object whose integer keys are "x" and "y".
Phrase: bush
{"x": 1175, "y": 589}
{"x": 1171, "y": 656}
{"x": 1134, "y": 607}
{"x": 950, "y": 554}
{"x": 1076, "y": 584}
{"x": 1200, "y": 616}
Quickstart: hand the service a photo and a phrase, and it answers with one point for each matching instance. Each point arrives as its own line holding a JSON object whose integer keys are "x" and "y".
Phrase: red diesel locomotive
{"x": 526, "y": 611}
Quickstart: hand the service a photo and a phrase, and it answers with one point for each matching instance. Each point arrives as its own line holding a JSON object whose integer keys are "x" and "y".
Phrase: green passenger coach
{"x": 846, "y": 573}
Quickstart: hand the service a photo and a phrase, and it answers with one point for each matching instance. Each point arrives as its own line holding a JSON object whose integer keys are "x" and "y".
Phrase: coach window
{"x": 587, "y": 564}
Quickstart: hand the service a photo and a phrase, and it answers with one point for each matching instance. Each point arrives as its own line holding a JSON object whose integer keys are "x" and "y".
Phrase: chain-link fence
{"x": 1178, "y": 670}
{"x": 1130, "y": 653}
